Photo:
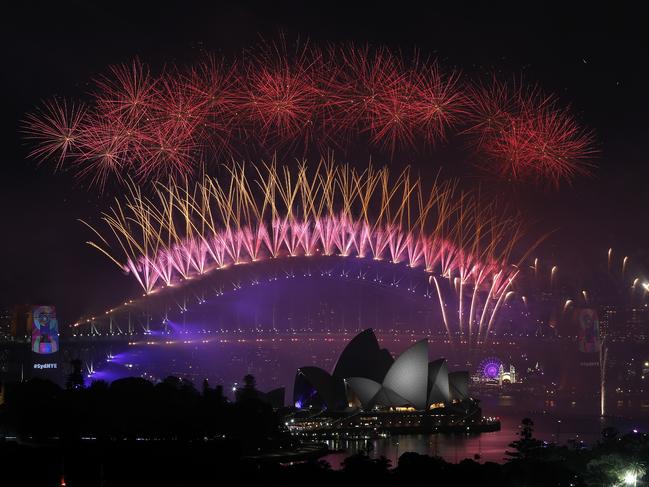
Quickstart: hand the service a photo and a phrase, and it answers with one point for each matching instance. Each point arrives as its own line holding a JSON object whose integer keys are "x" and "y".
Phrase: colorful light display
{"x": 266, "y": 212}
{"x": 45, "y": 330}
{"x": 489, "y": 368}
{"x": 148, "y": 125}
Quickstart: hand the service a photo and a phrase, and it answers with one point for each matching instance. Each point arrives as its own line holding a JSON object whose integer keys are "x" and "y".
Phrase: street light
{"x": 632, "y": 474}
{"x": 631, "y": 478}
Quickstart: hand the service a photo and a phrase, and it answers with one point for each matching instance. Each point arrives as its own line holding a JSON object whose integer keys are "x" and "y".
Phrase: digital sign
{"x": 45, "y": 330}
{"x": 588, "y": 330}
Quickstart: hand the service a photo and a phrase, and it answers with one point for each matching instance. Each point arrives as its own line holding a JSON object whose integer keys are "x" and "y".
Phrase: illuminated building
{"x": 507, "y": 376}
{"x": 366, "y": 377}
{"x": 607, "y": 320}
{"x": 637, "y": 323}
{"x": 491, "y": 371}
{"x": 362, "y": 357}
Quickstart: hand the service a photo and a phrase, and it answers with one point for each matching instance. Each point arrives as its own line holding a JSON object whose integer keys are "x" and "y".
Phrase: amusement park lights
{"x": 266, "y": 212}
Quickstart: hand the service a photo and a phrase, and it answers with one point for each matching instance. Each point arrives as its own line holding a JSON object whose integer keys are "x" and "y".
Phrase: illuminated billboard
{"x": 45, "y": 330}
{"x": 588, "y": 330}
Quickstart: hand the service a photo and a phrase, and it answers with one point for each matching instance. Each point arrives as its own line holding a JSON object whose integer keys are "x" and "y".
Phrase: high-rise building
{"x": 608, "y": 321}
{"x": 637, "y": 324}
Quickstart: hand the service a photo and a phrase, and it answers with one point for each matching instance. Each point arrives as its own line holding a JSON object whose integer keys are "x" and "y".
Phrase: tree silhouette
{"x": 249, "y": 389}
{"x": 526, "y": 446}
{"x": 249, "y": 382}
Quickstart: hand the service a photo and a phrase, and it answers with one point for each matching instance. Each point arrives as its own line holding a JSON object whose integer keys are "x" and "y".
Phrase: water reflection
{"x": 485, "y": 447}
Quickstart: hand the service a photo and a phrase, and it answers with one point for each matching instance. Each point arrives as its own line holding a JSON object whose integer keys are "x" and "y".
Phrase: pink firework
{"x": 270, "y": 212}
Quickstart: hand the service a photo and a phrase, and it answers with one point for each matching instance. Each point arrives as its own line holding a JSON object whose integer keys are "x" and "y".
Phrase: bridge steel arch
{"x": 151, "y": 313}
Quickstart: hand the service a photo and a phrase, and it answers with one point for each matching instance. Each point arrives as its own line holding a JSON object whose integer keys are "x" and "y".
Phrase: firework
{"x": 528, "y": 135}
{"x": 282, "y": 94}
{"x": 145, "y": 125}
{"x": 439, "y": 103}
{"x": 263, "y": 212}
{"x": 553, "y": 275}
{"x": 55, "y": 130}
{"x": 128, "y": 92}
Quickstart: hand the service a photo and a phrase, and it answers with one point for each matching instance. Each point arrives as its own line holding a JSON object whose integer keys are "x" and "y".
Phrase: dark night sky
{"x": 592, "y": 57}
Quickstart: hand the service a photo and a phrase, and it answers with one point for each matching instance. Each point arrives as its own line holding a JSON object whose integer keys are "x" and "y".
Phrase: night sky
{"x": 592, "y": 57}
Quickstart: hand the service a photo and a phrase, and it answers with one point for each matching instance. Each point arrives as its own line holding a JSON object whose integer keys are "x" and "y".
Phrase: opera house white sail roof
{"x": 366, "y": 375}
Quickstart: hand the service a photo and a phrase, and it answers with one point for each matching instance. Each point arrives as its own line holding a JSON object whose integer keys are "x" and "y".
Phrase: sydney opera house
{"x": 369, "y": 391}
{"x": 366, "y": 377}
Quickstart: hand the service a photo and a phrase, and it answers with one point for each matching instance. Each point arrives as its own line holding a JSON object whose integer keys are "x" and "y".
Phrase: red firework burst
{"x": 439, "y": 104}
{"x": 557, "y": 147}
{"x": 490, "y": 109}
{"x": 216, "y": 83}
{"x": 167, "y": 152}
{"x": 391, "y": 117}
{"x": 366, "y": 79}
{"x": 128, "y": 93}
{"x": 147, "y": 125}
{"x": 528, "y": 136}
{"x": 281, "y": 94}
{"x": 105, "y": 150}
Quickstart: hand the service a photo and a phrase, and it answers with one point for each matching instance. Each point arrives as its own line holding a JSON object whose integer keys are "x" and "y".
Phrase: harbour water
{"x": 274, "y": 358}
{"x": 486, "y": 447}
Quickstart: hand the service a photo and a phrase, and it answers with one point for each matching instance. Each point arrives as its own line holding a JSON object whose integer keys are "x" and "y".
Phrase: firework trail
{"x": 615, "y": 283}
{"x": 261, "y": 212}
{"x": 142, "y": 125}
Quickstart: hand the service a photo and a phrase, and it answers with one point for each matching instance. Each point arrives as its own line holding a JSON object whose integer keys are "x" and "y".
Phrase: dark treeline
{"x": 210, "y": 464}
{"x": 133, "y": 409}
